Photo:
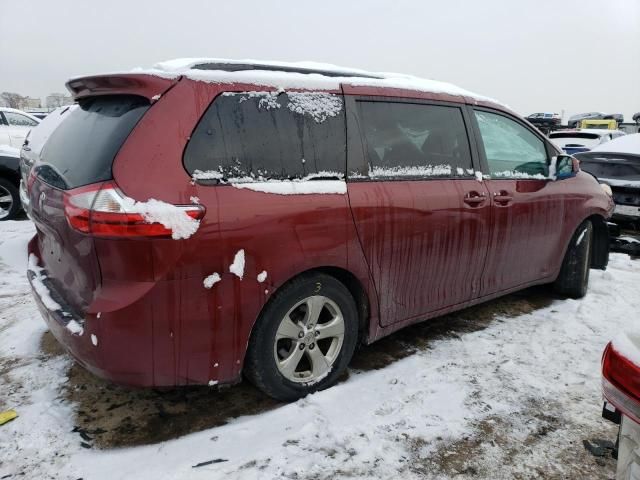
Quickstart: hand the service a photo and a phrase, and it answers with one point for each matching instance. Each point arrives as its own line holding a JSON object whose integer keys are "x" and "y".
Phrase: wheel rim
{"x": 309, "y": 340}
{"x": 6, "y": 202}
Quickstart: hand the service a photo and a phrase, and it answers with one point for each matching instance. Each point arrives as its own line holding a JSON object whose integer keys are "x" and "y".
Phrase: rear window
{"x": 611, "y": 166}
{"x": 80, "y": 150}
{"x": 563, "y": 140}
{"x": 269, "y": 135}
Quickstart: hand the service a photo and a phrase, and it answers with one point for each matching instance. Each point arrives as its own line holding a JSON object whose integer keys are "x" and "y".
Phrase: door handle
{"x": 502, "y": 197}
{"x": 474, "y": 198}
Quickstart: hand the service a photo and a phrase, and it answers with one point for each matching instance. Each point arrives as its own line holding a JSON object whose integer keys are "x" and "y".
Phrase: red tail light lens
{"x": 103, "y": 210}
{"x": 621, "y": 382}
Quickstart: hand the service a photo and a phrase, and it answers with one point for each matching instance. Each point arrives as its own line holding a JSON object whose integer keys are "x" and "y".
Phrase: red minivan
{"x": 207, "y": 219}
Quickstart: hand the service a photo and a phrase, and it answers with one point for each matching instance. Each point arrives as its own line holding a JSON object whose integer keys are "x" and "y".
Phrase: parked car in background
{"x": 545, "y": 119}
{"x": 621, "y": 389}
{"x": 9, "y": 182}
{"x": 223, "y": 219}
{"x": 14, "y": 126}
{"x": 576, "y": 141}
{"x": 575, "y": 120}
{"x": 636, "y": 117}
{"x": 617, "y": 164}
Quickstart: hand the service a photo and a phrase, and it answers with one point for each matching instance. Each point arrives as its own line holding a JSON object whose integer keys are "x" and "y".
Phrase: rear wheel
{"x": 304, "y": 339}
{"x": 9, "y": 200}
{"x": 573, "y": 279}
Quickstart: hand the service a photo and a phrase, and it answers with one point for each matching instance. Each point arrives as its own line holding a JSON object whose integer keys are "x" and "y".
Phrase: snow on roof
{"x": 624, "y": 144}
{"x": 320, "y": 76}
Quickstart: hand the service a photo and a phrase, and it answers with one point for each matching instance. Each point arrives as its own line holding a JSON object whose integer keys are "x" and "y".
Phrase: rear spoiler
{"x": 144, "y": 85}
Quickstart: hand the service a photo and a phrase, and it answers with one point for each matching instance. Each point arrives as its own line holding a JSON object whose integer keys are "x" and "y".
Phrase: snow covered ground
{"x": 505, "y": 390}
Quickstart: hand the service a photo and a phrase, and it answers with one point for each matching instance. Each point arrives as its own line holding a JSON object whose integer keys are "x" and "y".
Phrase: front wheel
{"x": 304, "y": 338}
{"x": 573, "y": 279}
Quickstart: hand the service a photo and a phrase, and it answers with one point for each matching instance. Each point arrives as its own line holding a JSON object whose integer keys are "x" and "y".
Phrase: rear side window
{"x": 81, "y": 149}
{"x": 575, "y": 139}
{"x": 414, "y": 140}
{"x": 268, "y": 135}
{"x": 512, "y": 151}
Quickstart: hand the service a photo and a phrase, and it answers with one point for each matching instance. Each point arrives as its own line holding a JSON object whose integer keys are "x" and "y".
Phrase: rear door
{"x": 79, "y": 151}
{"x": 527, "y": 209}
{"x": 421, "y": 215}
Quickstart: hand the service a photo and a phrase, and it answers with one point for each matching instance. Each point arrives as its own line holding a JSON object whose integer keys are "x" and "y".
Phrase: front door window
{"x": 512, "y": 151}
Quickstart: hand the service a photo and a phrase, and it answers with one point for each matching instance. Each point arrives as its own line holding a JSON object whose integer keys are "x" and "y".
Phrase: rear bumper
{"x": 116, "y": 346}
{"x": 161, "y": 333}
{"x": 88, "y": 347}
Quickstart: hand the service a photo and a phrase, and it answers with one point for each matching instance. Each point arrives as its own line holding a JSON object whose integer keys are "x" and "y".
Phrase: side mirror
{"x": 563, "y": 166}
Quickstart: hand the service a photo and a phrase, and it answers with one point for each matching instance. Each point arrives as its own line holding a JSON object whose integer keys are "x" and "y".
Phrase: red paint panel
{"x": 424, "y": 245}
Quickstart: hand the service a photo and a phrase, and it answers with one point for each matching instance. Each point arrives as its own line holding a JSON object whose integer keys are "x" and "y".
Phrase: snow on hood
{"x": 310, "y": 81}
{"x": 624, "y": 144}
{"x": 628, "y": 345}
{"x": 8, "y": 151}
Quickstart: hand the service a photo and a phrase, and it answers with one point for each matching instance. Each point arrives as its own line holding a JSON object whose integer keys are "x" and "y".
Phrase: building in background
{"x": 55, "y": 100}
{"x": 30, "y": 102}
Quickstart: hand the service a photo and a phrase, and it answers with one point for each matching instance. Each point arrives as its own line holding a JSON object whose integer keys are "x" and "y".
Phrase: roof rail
{"x": 239, "y": 67}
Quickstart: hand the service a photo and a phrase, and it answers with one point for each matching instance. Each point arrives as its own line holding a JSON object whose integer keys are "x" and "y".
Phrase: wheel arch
{"x": 10, "y": 175}
{"x": 600, "y": 248}
{"x": 344, "y": 276}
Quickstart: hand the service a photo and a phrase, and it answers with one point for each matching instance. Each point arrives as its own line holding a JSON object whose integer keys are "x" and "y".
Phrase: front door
{"x": 527, "y": 209}
{"x": 421, "y": 215}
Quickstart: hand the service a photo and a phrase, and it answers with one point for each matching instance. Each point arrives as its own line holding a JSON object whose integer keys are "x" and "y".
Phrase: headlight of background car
{"x": 607, "y": 189}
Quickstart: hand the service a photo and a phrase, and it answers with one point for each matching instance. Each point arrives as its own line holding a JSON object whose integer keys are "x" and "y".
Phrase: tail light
{"x": 621, "y": 382}
{"x": 103, "y": 210}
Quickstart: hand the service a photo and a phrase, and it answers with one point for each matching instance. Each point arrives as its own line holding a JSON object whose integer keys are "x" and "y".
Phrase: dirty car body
{"x": 408, "y": 238}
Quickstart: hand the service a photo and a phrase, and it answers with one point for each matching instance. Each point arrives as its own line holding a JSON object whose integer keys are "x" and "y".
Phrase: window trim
{"x": 359, "y": 162}
{"x": 3, "y": 120}
{"x": 549, "y": 149}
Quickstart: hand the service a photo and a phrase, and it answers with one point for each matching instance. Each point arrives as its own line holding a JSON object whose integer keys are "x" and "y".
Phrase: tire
{"x": 573, "y": 279}
{"x": 283, "y": 357}
{"x": 9, "y": 200}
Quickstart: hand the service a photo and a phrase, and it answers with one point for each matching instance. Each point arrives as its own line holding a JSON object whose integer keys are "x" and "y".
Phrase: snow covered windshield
{"x": 588, "y": 140}
{"x": 81, "y": 149}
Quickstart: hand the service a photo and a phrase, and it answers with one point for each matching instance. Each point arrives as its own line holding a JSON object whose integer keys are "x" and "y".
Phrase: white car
{"x": 14, "y": 126}
{"x": 582, "y": 140}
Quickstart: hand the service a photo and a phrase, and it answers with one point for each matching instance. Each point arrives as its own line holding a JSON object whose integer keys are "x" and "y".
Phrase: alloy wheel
{"x": 309, "y": 340}
{"x": 6, "y": 202}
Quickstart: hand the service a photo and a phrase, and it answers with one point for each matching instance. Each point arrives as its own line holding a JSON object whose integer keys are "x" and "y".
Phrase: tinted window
{"x": 611, "y": 165}
{"x": 19, "y": 120}
{"x": 81, "y": 149}
{"x": 263, "y": 135}
{"x": 414, "y": 140}
{"x": 512, "y": 150}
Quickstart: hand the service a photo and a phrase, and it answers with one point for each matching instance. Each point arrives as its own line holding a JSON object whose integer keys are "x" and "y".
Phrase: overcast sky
{"x": 535, "y": 55}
